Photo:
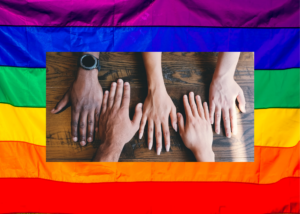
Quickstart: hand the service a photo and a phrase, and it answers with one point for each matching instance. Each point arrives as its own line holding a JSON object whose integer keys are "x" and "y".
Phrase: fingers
{"x": 111, "y": 96}
{"x": 242, "y": 101}
{"x": 211, "y": 111}
{"x": 150, "y": 134}
{"x": 173, "y": 118}
{"x": 193, "y": 104}
{"x": 90, "y": 126}
{"x": 166, "y": 132}
{"x": 97, "y": 115}
{"x": 233, "y": 120}
{"x": 61, "y": 104}
{"x": 104, "y": 102}
{"x": 200, "y": 108}
{"x": 226, "y": 121}
{"x": 158, "y": 137}
{"x": 74, "y": 123}
{"x": 126, "y": 95}
{"x": 82, "y": 128}
{"x": 118, "y": 95}
{"x": 206, "y": 112}
{"x": 187, "y": 108}
{"x": 142, "y": 126}
{"x": 180, "y": 123}
{"x": 137, "y": 116}
{"x": 217, "y": 119}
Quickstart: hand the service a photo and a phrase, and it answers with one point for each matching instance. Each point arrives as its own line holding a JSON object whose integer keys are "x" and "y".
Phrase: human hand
{"x": 85, "y": 96}
{"x": 115, "y": 126}
{"x": 222, "y": 95}
{"x": 157, "y": 107}
{"x": 197, "y": 132}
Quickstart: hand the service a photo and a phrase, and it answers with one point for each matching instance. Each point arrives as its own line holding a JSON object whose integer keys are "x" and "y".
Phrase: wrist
{"x": 222, "y": 76}
{"x": 83, "y": 74}
{"x": 108, "y": 152}
{"x": 204, "y": 155}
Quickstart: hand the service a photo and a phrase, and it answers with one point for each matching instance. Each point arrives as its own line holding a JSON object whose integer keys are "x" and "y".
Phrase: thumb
{"x": 137, "y": 115}
{"x": 242, "y": 101}
{"x": 180, "y": 122}
{"x": 62, "y": 103}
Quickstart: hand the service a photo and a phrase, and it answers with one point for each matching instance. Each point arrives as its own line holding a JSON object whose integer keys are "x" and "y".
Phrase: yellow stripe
{"x": 272, "y": 127}
{"x": 23, "y": 124}
{"x": 279, "y": 127}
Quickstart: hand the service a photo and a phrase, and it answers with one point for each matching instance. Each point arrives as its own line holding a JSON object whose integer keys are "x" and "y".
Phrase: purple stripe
{"x": 213, "y": 13}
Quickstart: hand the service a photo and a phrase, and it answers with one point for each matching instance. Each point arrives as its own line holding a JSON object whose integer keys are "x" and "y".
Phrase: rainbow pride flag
{"x": 30, "y": 28}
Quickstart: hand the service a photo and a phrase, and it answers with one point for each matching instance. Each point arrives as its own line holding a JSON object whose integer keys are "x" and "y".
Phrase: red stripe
{"x": 39, "y": 195}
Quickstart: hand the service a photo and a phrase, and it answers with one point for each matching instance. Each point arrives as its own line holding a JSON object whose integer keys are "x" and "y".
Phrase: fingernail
{"x": 228, "y": 135}
{"x": 126, "y": 83}
{"x": 140, "y": 135}
{"x": 150, "y": 145}
{"x": 217, "y": 131}
{"x": 158, "y": 151}
{"x": 75, "y": 139}
{"x": 175, "y": 127}
{"x": 106, "y": 92}
{"x": 168, "y": 148}
{"x": 90, "y": 139}
{"x": 120, "y": 80}
{"x": 114, "y": 84}
{"x": 82, "y": 143}
{"x": 140, "y": 105}
{"x": 52, "y": 110}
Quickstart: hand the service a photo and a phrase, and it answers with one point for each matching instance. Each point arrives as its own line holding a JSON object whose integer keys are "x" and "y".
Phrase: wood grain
{"x": 183, "y": 72}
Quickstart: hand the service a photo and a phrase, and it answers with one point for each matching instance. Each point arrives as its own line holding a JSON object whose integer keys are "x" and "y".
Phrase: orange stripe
{"x": 25, "y": 160}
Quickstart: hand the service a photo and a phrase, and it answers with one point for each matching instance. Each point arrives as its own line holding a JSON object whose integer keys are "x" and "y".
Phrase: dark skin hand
{"x": 115, "y": 126}
{"x": 85, "y": 96}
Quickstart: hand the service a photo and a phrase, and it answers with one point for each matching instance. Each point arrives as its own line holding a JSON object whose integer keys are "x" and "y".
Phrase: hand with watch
{"x": 85, "y": 97}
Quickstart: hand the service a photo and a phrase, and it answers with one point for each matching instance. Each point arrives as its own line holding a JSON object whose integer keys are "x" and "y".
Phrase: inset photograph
{"x": 150, "y": 107}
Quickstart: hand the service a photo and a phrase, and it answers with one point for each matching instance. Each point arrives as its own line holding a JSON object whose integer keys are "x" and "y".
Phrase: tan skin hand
{"x": 85, "y": 96}
{"x": 115, "y": 126}
{"x": 157, "y": 107}
{"x": 222, "y": 95}
{"x": 196, "y": 133}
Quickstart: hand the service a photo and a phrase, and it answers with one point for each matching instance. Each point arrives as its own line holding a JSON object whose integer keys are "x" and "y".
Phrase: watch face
{"x": 88, "y": 62}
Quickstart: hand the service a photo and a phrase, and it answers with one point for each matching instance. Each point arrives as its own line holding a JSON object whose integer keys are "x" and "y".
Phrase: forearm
{"x": 108, "y": 152}
{"x": 152, "y": 61}
{"x": 226, "y": 64}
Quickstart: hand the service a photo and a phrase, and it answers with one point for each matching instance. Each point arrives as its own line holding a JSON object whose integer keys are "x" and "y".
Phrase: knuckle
{"x": 90, "y": 134}
{"x": 74, "y": 124}
{"x": 111, "y": 99}
{"x": 81, "y": 125}
{"x": 166, "y": 133}
{"x": 158, "y": 134}
{"x": 90, "y": 122}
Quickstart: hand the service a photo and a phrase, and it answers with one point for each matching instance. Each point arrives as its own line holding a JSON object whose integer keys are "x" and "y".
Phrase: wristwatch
{"x": 89, "y": 62}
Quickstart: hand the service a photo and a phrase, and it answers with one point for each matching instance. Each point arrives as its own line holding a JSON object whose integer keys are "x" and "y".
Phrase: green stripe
{"x": 26, "y": 87}
{"x": 277, "y": 88}
{"x": 23, "y": 87}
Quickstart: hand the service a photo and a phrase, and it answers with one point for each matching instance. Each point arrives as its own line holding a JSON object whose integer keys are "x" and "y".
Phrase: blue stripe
{"x": 26, "y": 46}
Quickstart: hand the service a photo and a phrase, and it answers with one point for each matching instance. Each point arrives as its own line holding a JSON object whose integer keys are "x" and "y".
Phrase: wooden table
{"x": 183, "y": 72}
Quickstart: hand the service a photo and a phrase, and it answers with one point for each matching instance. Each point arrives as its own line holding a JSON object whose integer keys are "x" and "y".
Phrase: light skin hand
{"x": 115, "y": 126}
{"x": 158, "y": 105}
{"x": 223, "y": 93}
{"x": 196, "y": 133}
{"x": 85, "y": 96}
